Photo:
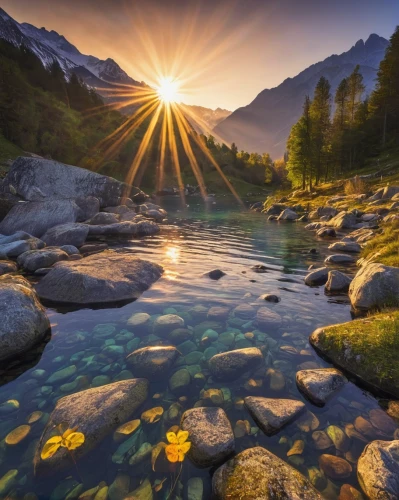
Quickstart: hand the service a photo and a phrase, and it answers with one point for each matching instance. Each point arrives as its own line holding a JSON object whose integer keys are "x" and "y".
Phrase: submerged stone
{"x": 231, "y": 365}
{"x": 108, "y": 407}
{"x": 153, "y": 362}
{"x": 211, "y": 435}
{"x": 320, "y": 384}
{"x": 271, "y": 415}
{"x": 257, "y": 473}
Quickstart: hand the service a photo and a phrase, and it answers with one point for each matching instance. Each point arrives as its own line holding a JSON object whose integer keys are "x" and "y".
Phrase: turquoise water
{"x": 192, "y": 242}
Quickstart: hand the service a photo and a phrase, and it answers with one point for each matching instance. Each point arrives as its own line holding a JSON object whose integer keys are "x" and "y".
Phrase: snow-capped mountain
{"x": 96, "y": 73}
{"x": 50, "y": 46}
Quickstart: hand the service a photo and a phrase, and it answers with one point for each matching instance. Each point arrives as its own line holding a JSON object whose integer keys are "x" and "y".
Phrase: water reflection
{"x": 88, "y": 348}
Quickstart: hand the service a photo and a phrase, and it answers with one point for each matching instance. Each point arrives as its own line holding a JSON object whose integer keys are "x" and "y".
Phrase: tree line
{"x": 322, "y": 145}
{"x": 44, "y": 112}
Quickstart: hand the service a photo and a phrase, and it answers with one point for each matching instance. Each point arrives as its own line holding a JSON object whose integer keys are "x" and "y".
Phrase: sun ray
{"x": 143, "y": 146}
{"x": 161, "y": 166}
{"x": 189, "y": 152}
{"x": 205, "y": 150}
{"x": 173, "y": 149}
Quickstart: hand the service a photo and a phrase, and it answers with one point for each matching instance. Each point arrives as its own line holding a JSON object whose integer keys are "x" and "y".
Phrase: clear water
{"x": 192, "y": 242}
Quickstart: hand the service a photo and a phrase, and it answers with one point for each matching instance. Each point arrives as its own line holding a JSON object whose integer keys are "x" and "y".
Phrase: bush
{"x": 355, "y": 186}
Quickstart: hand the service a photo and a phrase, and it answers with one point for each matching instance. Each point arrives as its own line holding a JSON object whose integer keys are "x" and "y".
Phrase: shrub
{"x": 355, "y": 186}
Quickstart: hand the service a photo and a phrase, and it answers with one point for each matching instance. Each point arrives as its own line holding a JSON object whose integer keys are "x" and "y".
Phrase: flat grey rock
{"x": 340, "y": 258}
{"x": 107, "y": 277}
{"x": 66, "y": 234}
{"x": 271, "y": 414}
{"x": 95, "y": 412}
{"x": 232, "y": 364}
{"x": 33, "y": 260}
{"x": 345, "y": 246}
{"x": 320, "y": 384}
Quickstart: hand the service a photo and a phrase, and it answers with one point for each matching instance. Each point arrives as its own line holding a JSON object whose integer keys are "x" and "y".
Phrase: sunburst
{"x": 160, "y": 105}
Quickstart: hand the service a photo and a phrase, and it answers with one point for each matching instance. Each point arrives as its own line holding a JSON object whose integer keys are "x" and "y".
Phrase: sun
{"x": 168, "y": 90}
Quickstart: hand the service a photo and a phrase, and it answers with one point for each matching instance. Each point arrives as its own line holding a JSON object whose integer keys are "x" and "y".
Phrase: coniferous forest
{"x": 335, "y": 134}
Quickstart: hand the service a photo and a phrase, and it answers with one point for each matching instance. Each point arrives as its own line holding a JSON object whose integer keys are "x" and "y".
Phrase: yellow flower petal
{"x": 185, "y": 447}
{"x": 74, "y": 440}
{"x": 181, "y": 456}
{"x": 172, "y": 438}
{"x": 172, "y": 453}
{"x": 182, "y": 437}
{"x": 50, "y": 447}
{"x": 68, "y": 432}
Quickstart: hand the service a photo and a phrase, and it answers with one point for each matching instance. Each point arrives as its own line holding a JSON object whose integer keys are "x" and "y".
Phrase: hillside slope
{"x": 264, "y": 124}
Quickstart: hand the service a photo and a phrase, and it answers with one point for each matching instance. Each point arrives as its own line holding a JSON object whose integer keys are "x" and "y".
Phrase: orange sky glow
{"x": 222, "y": 52}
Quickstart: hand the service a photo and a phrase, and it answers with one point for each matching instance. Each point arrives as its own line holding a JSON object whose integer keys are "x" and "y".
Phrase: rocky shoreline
{"x": 373, "y": 288}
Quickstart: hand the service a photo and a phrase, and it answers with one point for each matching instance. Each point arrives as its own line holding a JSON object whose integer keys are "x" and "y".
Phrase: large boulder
{"x": 66, "y": 234}
{"x": 211, "y": 436}
{"x": 95, "y": 412}
{"x": 153, "y": 362}
{"x": 37, "y": 217}
{"x": 37, "y": 179}
{"x": 352, "y": 347}
{"x": 257, "y": 473}
{"x": 378, "y": 470}
{"x": 24, "y": 322}
{"x": 343, "y": 220}
{"x": 232, "y": 364}
{"x": 375, "y": 286}
{"x": 271, "y": 414}
{"x": 108, "y": 277}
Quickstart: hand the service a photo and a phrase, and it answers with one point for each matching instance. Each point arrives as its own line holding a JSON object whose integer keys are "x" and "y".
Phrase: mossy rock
{"x": 366, "y": 348}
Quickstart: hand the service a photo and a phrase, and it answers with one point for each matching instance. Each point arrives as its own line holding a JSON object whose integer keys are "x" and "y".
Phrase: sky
{"x": 222, "y": 52}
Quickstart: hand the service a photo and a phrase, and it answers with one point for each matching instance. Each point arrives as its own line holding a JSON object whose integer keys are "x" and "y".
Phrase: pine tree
{"x": 384, "y": 101}
{"x": 355, "y": 89}
{"x": 320, "y": 110}
{"x": 340, "y": 124}
{"x": 300, "y": 149}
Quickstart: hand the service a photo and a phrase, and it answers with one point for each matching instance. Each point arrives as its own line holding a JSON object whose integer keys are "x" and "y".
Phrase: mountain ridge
{"x": 95, "y": 72}
{"x": 264, "y": 124}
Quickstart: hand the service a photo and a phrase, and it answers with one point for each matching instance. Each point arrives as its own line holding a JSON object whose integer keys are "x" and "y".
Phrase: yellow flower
{"x": 69, "y": 439}
{"x": 178, "y": 447}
